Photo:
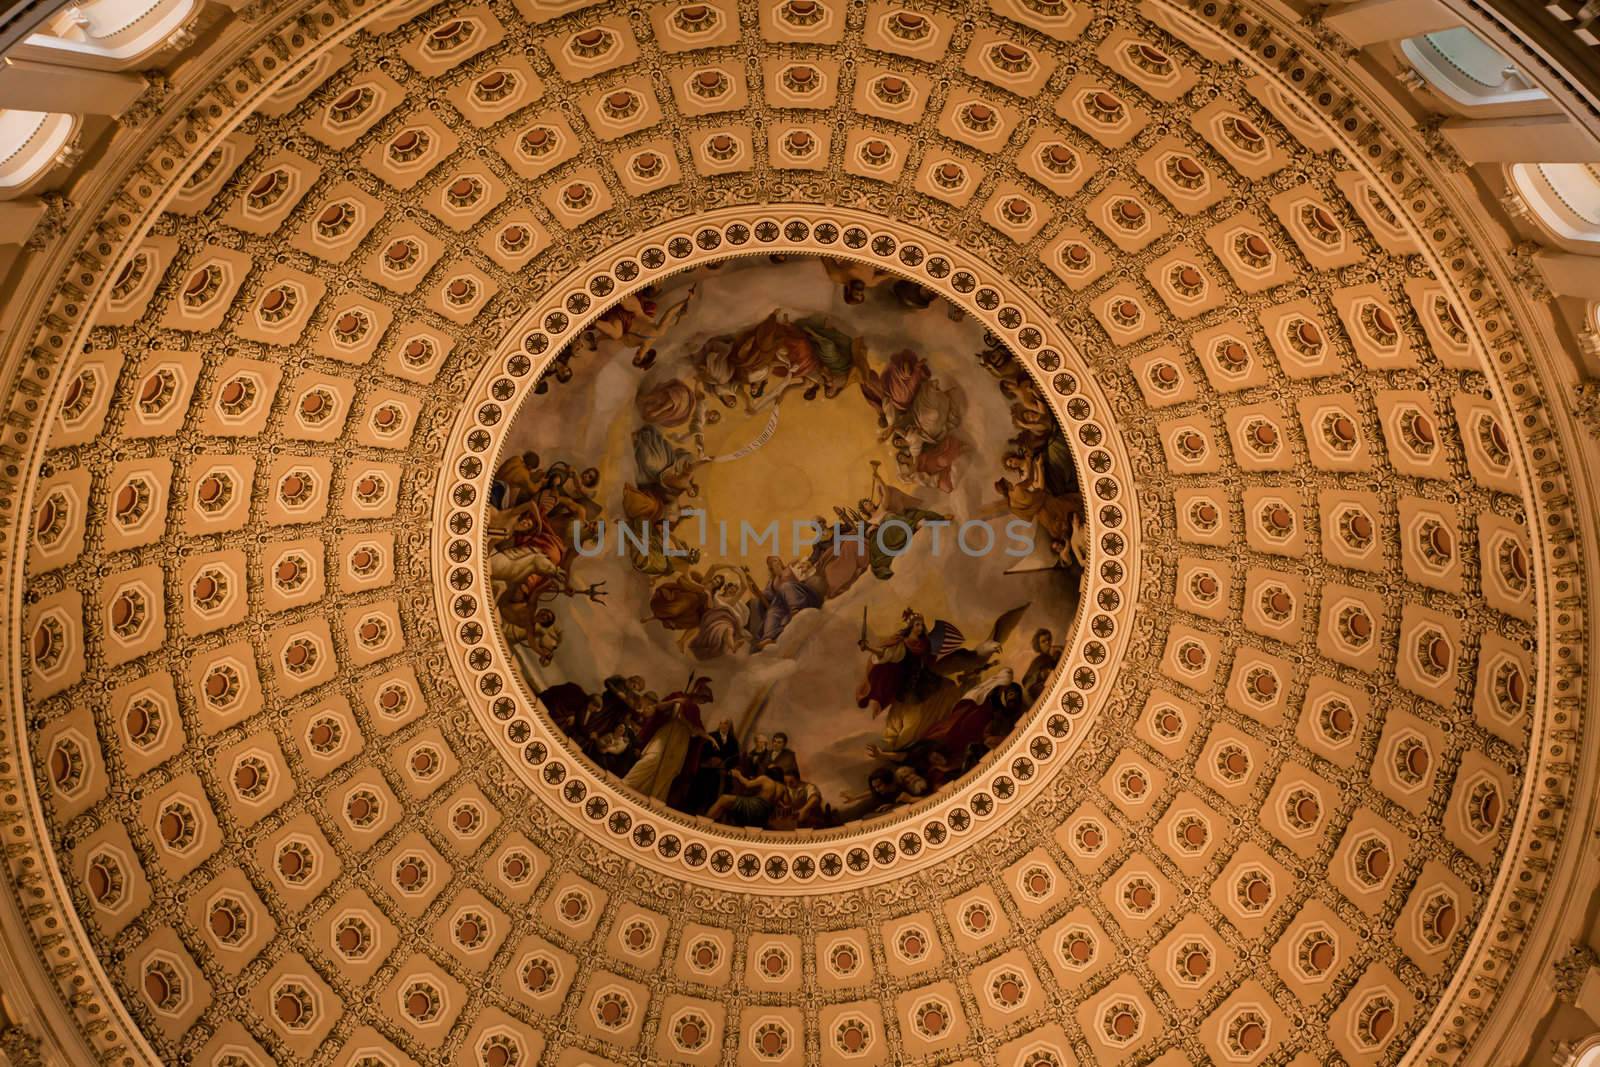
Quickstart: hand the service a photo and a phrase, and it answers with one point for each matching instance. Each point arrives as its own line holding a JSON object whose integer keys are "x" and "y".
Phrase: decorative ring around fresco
{"x": 878, "y": 849}
{"x": 1514, "y": 367}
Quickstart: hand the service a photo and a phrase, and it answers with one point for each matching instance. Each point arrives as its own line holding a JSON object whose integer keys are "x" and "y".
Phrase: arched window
{"x": 1563, "y": 199}
{"x": 30, "y": 143}
{"x": 1469, "y": 72}
{"x": 1586, "y": 1053}
{"x": 110, "y": 34}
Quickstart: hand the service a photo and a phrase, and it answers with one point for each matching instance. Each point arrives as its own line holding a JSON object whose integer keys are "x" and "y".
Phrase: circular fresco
{"x": 786, "y": 543}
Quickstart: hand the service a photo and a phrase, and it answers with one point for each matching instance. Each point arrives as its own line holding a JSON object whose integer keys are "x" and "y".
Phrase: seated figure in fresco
{"x": 1039, "y": 482}
{"x": 532, "y": 638}
{"x": 808, "y": 354}
{"x": 782, "y": 357}
{"x": 767, "y": 801}
{"x": 1026, "y": 494}
{"x": 724, "y": 625}
{"x": 799, "y": 804}
{"x": 743, "y": 362}
{"x": 670, "y": 404}
{"x": 662, "y": 463}
{"x": 716, "y": 371}
{"x": 752, "y": 802}
{"x": 775, "y": 605}
{"x": 1029, "y": 412}
{"x": 843, "y": 358}
{"x": 564, "y": 495}
{"x": 679, "y": 601}
{"x": 522, "y": 478}
{"x": 651, "y": 506}
{"x": 707, "y": 609}
{"x": 894, "y": 389}
{"x": 679, "y": 409}
{"x": 918, "y": 417}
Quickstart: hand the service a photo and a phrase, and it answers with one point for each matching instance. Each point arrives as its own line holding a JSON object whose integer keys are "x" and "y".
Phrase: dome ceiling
{"x": 288, "y": 797}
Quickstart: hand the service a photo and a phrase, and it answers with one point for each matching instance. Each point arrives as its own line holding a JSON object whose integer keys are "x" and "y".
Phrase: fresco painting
{"x": 786, "y": 543}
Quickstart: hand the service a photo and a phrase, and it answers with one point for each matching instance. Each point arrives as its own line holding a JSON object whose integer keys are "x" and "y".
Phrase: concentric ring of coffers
{"x": 1250, "y": 757}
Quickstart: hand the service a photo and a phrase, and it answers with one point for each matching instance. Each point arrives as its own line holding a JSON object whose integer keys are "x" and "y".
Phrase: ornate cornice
{"x": 1514, "y": 929}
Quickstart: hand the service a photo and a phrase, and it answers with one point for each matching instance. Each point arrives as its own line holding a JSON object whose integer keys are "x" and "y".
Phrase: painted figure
{"x": 672, "y": 723}
{"x": 775, "y": 605}
{"x": 702, "y": 354}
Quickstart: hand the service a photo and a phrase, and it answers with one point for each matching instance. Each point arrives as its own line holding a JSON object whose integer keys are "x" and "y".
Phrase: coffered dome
{"x": 1313, "y": 781}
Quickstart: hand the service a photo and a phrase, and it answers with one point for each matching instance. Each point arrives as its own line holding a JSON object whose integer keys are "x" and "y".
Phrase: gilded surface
{"x": 1296, "y": 818}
